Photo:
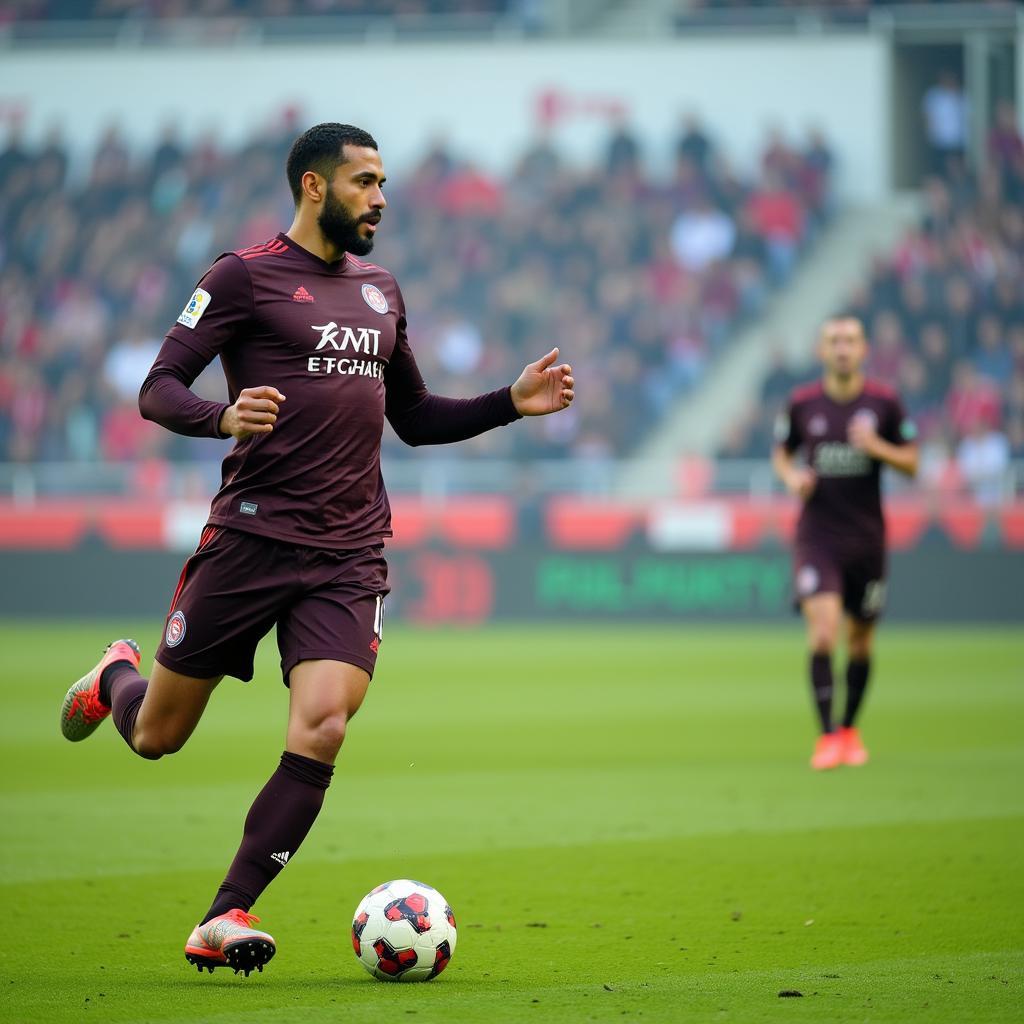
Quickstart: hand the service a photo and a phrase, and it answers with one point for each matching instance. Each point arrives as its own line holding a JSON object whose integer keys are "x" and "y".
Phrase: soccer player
{"x": 314, "y": 348}
{"x": 848, "y": 427}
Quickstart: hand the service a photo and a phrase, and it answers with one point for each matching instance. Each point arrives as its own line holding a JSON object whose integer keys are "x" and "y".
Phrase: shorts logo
{"x": 874, "y": 598}
{"x": 807, "y": 580}
{"x": 817, "y": 425}
{"x": 195, "y": 308}
{"x": 378, "y": 625}
{"x": 175, "y": 629}
{"x": 374, "y": 298}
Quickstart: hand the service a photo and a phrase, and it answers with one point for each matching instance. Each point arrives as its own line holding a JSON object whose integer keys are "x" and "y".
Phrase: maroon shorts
{"x": 325, "y": 604}
{"x": 855, "y": 573}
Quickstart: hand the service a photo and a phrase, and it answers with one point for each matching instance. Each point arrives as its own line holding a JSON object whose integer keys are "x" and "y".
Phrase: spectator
{"x": 992, "y": 358}
{"x": 776, "y": 216}
{"x": 694, "y": 144}
{"x": 623, "y": 149}
{"x": 983, "y": 459}
{"x": 972, "y": 401}
{"x": 129, "y": 360}
{"x": 702, "y": 236}
{"x": 1004, "y": 140}
{"x": 945, "y": 121}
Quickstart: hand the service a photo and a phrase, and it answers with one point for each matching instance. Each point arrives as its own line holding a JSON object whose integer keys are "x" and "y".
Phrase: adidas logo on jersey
{"x": 281, "y": 858}
{"x": 301, "y": 295}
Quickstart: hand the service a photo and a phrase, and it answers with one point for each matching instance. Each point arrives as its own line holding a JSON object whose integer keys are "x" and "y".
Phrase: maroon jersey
{"x": 331, "y": 337}
{"x": 846, "y": 505}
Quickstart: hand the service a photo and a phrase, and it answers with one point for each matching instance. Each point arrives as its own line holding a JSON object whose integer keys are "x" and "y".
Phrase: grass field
{"x": 623, "y": 820}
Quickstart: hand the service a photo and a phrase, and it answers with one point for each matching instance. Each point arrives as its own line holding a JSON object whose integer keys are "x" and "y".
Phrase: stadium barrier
{"x": 478, "y": 558}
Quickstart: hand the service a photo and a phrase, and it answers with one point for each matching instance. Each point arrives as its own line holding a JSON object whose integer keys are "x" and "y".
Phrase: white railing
{"x": 435, "y": 479}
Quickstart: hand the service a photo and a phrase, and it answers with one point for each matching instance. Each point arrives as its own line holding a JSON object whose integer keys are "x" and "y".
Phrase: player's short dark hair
{"x": 321, "y": 149}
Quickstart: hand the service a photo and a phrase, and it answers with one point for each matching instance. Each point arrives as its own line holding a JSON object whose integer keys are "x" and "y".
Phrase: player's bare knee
{"x": 326, "y": 734}
{"x": 859, "y": 648}
{"x": 148, "y": 746}
{"x": 153, "y": 744}
{"x": 822, "y": 638}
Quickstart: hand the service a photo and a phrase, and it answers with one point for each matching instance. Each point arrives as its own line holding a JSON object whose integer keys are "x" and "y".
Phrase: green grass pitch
{"x": 622, "y": 818}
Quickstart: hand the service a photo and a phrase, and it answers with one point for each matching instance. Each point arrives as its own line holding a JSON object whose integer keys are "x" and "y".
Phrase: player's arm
{"x": 895, "y": 445}
{"x": 798, "y": 479}
{"x": 418, "y": 417}
{"x": 219, "y": 307}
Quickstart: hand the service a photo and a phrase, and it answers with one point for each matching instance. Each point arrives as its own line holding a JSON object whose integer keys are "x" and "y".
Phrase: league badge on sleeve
{"x": 195, "y": 308}
{"x": 375, "y": 298}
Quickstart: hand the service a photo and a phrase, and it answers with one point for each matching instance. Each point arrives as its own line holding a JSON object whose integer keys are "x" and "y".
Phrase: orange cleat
{"x": 854, "y": 752}
{"x": 83, "y": 710}
{"x": 229, "y": 941}
{"x": 828, "y": 752}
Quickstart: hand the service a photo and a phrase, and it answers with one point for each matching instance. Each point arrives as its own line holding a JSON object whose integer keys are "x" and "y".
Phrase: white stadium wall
{"x": 482, "y": 98}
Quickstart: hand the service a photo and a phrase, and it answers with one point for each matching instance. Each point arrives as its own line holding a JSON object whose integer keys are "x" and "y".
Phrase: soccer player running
{"x": 314, "y": 348}
{"x": 848, "y": 428}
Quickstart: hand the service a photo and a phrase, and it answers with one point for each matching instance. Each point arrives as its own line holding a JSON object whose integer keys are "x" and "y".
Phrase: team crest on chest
{"x": 866, "y": 416}
{"x": 817, "y": 425}
{"x": 375, "y": 298}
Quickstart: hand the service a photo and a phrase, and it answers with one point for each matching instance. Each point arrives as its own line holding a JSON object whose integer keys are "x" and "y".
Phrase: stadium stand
{"x": 945, "y": 312}
{"x": 114, "y": 9}
{"x": 639, "y": 280}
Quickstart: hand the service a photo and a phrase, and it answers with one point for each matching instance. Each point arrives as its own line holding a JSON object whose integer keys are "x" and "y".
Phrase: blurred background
{"x": 675, "y": 192}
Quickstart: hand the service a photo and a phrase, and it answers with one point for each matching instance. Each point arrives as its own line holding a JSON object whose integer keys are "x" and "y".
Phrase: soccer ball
{"x": 404, "y": 931}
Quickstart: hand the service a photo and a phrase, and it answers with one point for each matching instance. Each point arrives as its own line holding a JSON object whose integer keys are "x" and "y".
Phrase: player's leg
{"x": 823, "y": 614}
{"x": 864, "y": 593}
{"x": 155, "y": 716}
{"x": 817, "y": 584}
{"x": 859, "y": 642}
{"x": 324, "y": 696}
{"x": 328, "y": 640}
{"x": 859, "y": 638}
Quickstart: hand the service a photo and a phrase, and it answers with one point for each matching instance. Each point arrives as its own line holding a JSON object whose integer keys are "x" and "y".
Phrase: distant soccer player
{"x": 848, "y": 428}
{"x": 314, "y": 348}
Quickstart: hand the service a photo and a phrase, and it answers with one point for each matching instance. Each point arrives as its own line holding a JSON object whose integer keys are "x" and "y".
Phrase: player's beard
{"x": 341, "y": 229}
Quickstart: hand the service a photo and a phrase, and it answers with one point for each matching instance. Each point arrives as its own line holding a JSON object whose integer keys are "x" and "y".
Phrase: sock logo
{"x": 281, "y": 858}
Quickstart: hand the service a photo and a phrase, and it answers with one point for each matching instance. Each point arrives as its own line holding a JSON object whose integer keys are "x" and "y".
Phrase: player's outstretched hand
{"x": 255, "y": 412}
{"x": 802, "y": 482}
{"x": 862, "y": 434}
{"x": 543, "y": 387}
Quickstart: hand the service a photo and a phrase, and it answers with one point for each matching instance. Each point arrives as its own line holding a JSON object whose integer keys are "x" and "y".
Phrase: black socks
{"x": 821, "y": 686}
{"x": 278, "y": 821}
{"x": 857, "y": 673}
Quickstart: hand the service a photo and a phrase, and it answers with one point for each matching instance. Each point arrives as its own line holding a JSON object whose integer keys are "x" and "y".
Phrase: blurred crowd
{"x": 945, "y": 316}
{"x": 82, "y": 10}
{"x": 834, "y": 7}
{"x": 639, "y": 280}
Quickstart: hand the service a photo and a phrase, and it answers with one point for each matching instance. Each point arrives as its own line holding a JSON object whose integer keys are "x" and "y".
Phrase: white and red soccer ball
{"x": 404, "y": 931}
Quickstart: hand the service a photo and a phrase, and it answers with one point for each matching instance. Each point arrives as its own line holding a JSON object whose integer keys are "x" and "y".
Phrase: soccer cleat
{"x": 83, "y": 710}
{"x": 229, "y": 941}
{"x": 828, "y": 752}
{"x": 854, "y": 752}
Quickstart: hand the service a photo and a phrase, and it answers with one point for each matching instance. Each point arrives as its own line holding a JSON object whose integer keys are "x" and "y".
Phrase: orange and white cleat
{"x": 854, "y": 752}
{"x": 83, "y": 710}
{"x": 229, "y": 941}
{"x": 828, "y": 752}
